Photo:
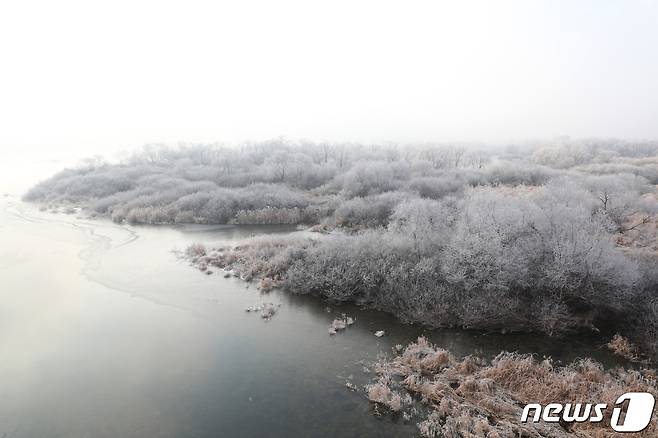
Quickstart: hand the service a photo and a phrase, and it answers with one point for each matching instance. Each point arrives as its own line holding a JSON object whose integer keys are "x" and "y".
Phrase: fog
{"x": 82, "y": 79}
{"x": 481, "y": 173}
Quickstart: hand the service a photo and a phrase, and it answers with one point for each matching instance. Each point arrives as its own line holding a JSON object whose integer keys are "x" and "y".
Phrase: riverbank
{"x": 227, "y": 369}
{"x": 388, "y": 271}
{"x": 475, "y": 397}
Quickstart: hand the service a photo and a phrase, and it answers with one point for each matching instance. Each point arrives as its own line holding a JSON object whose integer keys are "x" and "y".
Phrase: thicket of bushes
{"x": 269, "y": 182}
{"x": 528, "y": 238}
{"x": 302, "y": 182}
{"x": 524, "y": 258}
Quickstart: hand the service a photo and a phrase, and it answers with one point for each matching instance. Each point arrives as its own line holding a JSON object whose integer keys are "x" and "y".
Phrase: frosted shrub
{"x": 196, "y": 250}
{"x": 373, "y": 177}
{"x": 382, "y": 394}
{"x": 370, "y": 211}
{"x": 438, "y": 187}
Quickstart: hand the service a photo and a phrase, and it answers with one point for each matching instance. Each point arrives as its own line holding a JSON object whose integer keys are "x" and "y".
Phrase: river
{"x": 104, "y": 332}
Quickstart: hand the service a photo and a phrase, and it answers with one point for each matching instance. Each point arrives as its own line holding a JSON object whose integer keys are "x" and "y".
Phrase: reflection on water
{"x": 104, "y": 333}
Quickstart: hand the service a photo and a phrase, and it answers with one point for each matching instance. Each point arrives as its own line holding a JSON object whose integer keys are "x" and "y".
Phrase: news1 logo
{"x": 637, "y": 418}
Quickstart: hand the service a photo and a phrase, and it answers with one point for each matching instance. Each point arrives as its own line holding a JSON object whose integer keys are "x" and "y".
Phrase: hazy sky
{"x": 98, "y": 76}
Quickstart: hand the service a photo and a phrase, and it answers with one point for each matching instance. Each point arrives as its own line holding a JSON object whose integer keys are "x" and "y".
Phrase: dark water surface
{"x": 105, "y": 333}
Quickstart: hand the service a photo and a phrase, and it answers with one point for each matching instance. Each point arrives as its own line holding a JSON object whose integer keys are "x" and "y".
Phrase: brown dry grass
{"x": 621, "y": 346}
{"x": 265, "y": 258}
{"x": 266, "y": 284}
{"x": 473, "y": 398}
{"x": 196, "y": 250}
